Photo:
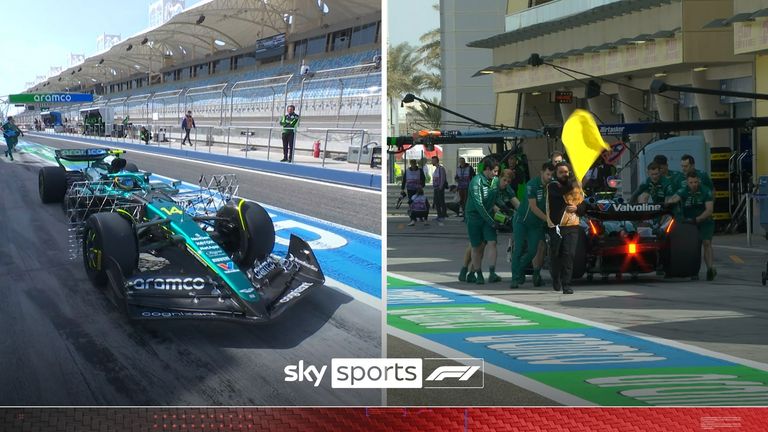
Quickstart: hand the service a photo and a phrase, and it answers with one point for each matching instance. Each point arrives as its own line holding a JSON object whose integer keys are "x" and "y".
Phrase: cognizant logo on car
{"x": 176, "y": 284}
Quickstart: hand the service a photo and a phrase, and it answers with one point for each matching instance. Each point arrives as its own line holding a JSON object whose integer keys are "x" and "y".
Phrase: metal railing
{"x": 338, "y": 147}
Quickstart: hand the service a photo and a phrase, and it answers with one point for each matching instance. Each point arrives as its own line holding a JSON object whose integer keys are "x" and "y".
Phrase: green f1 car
{"x": 163, "y": 253}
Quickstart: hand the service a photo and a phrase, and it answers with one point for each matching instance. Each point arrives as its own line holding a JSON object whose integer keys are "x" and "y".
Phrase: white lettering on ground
{"x": 688, "y": 389}
{"x": 461, "y": 317}
{"x": 412, "y": 296}
{"x": 563, "y": 349}
{"x": 327, "y": 240}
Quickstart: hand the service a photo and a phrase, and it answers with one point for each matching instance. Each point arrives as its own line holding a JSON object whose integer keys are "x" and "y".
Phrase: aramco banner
{"x": 31, "y": 98}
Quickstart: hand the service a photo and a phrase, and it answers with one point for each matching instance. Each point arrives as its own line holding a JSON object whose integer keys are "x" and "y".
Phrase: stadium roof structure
{"x": 207, "y": 29}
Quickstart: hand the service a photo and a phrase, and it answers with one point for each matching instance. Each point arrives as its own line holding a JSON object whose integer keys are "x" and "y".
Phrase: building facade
{"x": 624, "y": 46}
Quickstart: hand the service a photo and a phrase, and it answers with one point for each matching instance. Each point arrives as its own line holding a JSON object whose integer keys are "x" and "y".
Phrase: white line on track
{"x": 355, "y": 293}
{"x": 499, "y": 372}
{"x": 658, "y": 340}
{"x": 252, "y": 171}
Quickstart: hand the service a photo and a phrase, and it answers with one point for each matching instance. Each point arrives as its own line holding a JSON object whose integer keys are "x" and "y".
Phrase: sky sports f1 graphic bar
{"x": 356, "y": 373}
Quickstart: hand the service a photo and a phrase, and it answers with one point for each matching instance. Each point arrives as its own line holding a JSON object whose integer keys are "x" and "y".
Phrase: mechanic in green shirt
{"x": 696, "y": 206}
{"x": 289, "y": 122}
{"x": 480, "y": 224}
{"x": 655, "y": 189}
{"x": 688, "y": 165}
{"x": 11, "y": 133}
{"x": 675, "y": 177}
{"x": 529, "y": 226}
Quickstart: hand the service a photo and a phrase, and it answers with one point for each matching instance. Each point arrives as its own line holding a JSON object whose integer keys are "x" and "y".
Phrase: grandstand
{"x": 236, "y": 64}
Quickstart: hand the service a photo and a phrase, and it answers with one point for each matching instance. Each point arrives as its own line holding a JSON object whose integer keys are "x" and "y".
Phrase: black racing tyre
{"x": 246, "y": 244}
{"x": 52, "y": 184}
{"x": 130, "y": 166}
{"x": 580, "y": 259}
{"x": 108, "y": 236}
{"x": 684, "y": 251}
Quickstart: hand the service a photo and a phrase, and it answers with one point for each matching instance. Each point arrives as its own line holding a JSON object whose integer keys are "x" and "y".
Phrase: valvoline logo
{"x": 227, "y": 266}
{"x": 604, "y": 206}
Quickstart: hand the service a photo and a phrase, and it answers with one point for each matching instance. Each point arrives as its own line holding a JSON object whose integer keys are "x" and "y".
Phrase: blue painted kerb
{"x": 350, "y": 178}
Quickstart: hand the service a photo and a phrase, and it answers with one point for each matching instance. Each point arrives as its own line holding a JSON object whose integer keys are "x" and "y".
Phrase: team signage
{"x": 50, "y": 97}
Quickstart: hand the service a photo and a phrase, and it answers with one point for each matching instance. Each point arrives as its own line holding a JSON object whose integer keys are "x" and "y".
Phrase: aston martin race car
{"x": 79, "y": 165}
{"x": 621, "y": 238}
{"x": 160, "y": 252}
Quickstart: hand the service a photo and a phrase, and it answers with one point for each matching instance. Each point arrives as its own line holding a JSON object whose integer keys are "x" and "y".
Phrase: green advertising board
{"x": 32, "y": 98}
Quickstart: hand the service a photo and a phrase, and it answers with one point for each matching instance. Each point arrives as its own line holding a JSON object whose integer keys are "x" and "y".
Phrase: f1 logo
{"x": 463, "y": 373}
{"x": 454, "y": 373}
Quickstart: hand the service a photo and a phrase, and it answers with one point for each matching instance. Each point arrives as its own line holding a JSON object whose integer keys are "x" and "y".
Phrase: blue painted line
{"x": 355, "y": 261}
{"x": 529, "y": 353}
{"x": 350, "y": 178}
{"x": 523, "y": 350}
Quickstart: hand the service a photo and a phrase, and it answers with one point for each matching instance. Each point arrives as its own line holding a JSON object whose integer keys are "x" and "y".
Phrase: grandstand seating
{"x": 329, "y": 93}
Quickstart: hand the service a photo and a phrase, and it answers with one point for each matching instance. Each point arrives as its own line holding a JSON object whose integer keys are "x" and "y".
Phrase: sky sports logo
{"x": 354, "y": 373}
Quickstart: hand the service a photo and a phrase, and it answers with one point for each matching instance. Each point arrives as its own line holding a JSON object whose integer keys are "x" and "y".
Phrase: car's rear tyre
{"x": 580, "y": 259}
{"x": 106, "y": 237}
{"x": 683, "y": 257}
{"x": 249, "y": 242}
{"x": 52, "y": 184}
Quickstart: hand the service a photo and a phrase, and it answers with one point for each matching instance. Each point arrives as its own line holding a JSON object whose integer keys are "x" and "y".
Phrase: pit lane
{"x": 696, "y": 326}
{"x": 65, "y": 344}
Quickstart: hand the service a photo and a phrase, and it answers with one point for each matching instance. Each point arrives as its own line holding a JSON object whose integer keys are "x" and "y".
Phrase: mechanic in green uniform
{"x": 675, "y": 177}
{"x": 289, "y": 122}
{"x": 688, "y": 165}
{"x": 529, "y": 225}
{"x": 480, "y": 224}
{"x": 697, "y": 205}
{"x": 655, "y": 189}
{"x": 506, "y": 194}
{"x": 538, "y": 261}
{"x": 11, "y": 133}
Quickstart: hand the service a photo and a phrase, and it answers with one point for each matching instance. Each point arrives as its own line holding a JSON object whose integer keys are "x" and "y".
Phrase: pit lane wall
{"x": 347, "y": 178}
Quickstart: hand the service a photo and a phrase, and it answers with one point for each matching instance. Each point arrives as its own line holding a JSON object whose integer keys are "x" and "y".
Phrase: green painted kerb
{"x": 690, "y": 386}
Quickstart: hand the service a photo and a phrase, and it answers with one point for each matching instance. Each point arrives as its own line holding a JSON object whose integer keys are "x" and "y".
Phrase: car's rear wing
{"x": 87, "y": 154}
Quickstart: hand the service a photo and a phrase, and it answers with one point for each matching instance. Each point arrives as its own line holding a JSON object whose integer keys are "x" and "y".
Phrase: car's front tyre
{"x": 108, "y": 237}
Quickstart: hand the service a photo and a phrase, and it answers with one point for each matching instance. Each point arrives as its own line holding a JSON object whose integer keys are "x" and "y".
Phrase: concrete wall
{"x": 462, "y": 22}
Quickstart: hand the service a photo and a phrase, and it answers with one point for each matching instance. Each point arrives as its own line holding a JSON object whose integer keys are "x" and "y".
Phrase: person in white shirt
{"x": 439, "y": 184}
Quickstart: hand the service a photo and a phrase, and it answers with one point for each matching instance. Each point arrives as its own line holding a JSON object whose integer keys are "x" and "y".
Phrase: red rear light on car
{"x": 669, "y": 227}
{"x": 632, "y": 248}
